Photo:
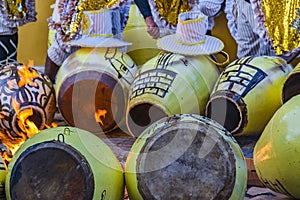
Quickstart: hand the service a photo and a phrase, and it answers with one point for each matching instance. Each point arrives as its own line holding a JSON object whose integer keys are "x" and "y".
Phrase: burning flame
{"x": 100, "y": 113}
{"x": 27, "y": 75}
{"x": 28, "y": 129}
{"x": 12, "y": 144}
{"x": 53, "y": 125}
{"x": 26, "y": 126}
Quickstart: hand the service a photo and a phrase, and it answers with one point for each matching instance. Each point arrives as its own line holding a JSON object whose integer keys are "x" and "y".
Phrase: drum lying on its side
{"x": 64, "y": 163}
{"x": 185, "y": 157}
{"x": 276, "y": 153}
{"x": 92, "y": 88}
{"x": 169, "y": 84}
{"x": 247, "y": 94}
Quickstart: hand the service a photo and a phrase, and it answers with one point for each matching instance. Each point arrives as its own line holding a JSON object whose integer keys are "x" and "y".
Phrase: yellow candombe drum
{"x": 247, "y": 94}
{"x": 169, "y": 84}
{"x": 95, "y": 80}
{"x": 276, "y": 153}
{"x": 185, "y": 157}
{"x": 64, "y": 163}
{"x": 291, "y": 86}
{"x": 143, "y": 45}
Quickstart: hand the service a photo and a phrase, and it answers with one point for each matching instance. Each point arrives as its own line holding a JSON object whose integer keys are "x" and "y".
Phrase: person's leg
{"x": 51, "y": 69}
{"x": 56, "y": 55}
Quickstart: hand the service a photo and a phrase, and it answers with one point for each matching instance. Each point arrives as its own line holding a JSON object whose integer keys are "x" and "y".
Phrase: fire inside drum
{"x": 185, "y": 157}
{"x": 92, "y": 88}
{"x": 64, "y": 163}
{"x": 24, "y": 88}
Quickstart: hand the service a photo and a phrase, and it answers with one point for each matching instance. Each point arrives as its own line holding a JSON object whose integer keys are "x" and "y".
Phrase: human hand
{"x": 152, "y": 27}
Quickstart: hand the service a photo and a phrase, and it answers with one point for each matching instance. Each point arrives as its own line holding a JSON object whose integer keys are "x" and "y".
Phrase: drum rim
{"x": 74, "y": 153}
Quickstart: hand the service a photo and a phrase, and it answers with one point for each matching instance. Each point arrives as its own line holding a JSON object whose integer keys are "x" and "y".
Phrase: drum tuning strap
{"x": 220, "y": 64}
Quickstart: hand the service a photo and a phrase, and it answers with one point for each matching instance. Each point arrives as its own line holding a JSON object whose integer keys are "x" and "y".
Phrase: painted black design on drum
{"x": 155, "y": 81}
{"x": 119, "y": 64}
{"x": 164, "y": 60}
{"x": 241, "y": 79}
{"x": 39, "y": 97}
{"x": 103, "y": 195}
{"x": 66, "y": 176}
{"x": 275, "y": 185}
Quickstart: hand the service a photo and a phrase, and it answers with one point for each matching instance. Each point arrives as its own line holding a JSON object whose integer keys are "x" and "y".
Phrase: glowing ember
{"x": 27, "y": 75}
{"x": 100, "y": 113}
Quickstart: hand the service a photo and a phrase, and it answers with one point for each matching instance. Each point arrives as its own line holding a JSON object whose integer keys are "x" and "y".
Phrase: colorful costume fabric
{"x": 12, "y": 15}
{"x": 68, "y": 29}
{"x": 243, "y": 27}
{"x": 165, "y": 12}
{"x": 278, "y": 23}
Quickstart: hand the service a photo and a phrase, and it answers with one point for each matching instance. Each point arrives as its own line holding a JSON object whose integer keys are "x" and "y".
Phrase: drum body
{"x": 169, "y": 84}
{"x": 143, "y": 46}
{"x": 247, "y": 94}
{"x": 64, "y": 163}
{"x": 92, "y": 88}
{"x": 185, "y": 157}
{"x": 291, "y": 86}
{"x": 24, "y": 89}
{"x": 276, "y": 153}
